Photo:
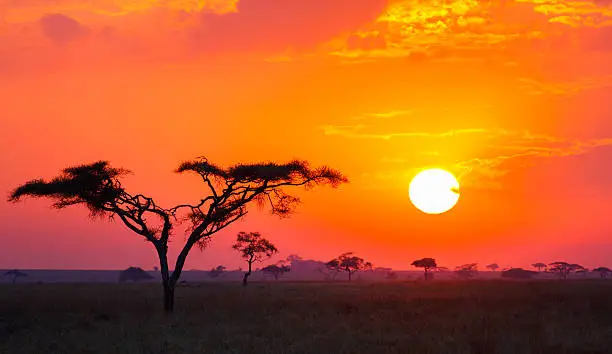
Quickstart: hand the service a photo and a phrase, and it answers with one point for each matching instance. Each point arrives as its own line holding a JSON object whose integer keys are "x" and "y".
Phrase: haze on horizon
{"x": 510, "y": 96}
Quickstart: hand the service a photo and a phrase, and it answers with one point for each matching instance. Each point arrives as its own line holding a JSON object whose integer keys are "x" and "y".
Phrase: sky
{"x": 509, "y": 95}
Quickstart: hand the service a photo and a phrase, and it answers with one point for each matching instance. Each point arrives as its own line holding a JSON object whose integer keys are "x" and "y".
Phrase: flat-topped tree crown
{"x": 94, "y": 185}
{"x": 232, "y": 188}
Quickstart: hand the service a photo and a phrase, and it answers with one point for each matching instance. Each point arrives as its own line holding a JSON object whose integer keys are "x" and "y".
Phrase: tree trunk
{"x": 168, "y": 298}
{"x": 350, "y": 273}
{"x": 426, "y": 274}
{"x": 246, "y": 276}
{"x": 167, "y": 281}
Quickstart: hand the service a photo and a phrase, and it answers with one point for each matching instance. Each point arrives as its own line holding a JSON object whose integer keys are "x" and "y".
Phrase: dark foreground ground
{"x": 445, "y": 317}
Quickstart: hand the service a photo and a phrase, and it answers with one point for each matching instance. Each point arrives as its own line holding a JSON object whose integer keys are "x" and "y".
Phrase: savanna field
{"x": 404, "y": 317}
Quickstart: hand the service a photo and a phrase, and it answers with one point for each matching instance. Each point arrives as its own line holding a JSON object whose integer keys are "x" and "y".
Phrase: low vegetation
{"x": 475, "y": 316}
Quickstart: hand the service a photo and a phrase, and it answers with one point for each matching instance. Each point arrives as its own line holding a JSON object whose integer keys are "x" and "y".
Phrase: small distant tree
{"x": 442, "y": 269}
{"x": 216, "y": 272}
{"x": 493, "y": 267}
{"x": 603, "y": 272}
{"x": 467, "y": 271}
{"x": 253, "y": 248}
{"x": 134, "y": 274}
{"x": 582, "y": 272}
{"x": 518, "y": 273}
{"x": 276, "y": 270}
{"x": 15, "y": 274}
{"x": 348, "y": 263}
{"x": 563, "y": 269}
{"x": 391, "y": 275}
{"x": 333, "y": 269}
{"x": 539, "y": 266}
{"x": 428, "y": 264}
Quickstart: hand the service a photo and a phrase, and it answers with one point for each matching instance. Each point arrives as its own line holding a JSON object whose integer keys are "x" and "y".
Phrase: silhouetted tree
{"x": 493, "y": 267}
{"x": 216, "y": 271}
{"x": 427, "y": 264}
{"x": 276, "y": 270}
{"x": 582, "y": 271}
{"x": 333, "y": 269}
{"x": 134, "y": 274}
{"x": 518, "y": 273}
{"x": 466, "y": 271}
{"x": 253, "y": 248}
{"x": 539, "y": 266}
{"x": 349, "y": 263}
{"x": 563, "y": 269}
{"x": 224, "y": 201}
{"x": 603, "y": 272}
{"x": 15, "y": 274}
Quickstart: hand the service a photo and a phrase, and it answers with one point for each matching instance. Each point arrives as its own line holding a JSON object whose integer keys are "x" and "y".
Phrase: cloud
{"x": 498, "y": 152}
{"x": 62, "y": 29}
{"x": 443, "y": 28}
{"x": 384, "y": 115}
{"x": 28, "y": 11}
{"x": 356, "y": 132}
{"x": 518, "y": 150}
{"x": 274, "y": 25}
{"x": 535, "y": 87}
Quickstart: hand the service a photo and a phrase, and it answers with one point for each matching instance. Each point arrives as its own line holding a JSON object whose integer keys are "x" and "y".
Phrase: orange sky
{"x": 511, "y": 96}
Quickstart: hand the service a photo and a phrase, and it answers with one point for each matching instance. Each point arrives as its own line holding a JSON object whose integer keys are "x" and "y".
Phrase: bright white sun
{"x": 434, "y": 191}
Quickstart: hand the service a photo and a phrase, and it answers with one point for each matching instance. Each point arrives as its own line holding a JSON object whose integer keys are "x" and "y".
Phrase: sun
{"x": 434, "y": 191}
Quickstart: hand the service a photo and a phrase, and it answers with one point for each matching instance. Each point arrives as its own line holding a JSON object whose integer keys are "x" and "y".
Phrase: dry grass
{"x": 445, "y": 317}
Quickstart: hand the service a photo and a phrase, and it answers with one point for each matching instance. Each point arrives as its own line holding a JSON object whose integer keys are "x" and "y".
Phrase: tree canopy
{"x": 228, "y": 192}
{"x": 253, "y": 248}
{"x": 563, "y": 269}
{"x": 349, "y": 263}
{"x": 603, "y": 271}
{"x": 427, "y": 264}
{"x": 539, "y": 266}
{"x": 518, "y": 273}
{"x": 467, "y": 270}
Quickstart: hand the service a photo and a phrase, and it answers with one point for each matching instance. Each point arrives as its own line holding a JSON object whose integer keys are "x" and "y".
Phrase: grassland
{"x": 444, "y": 317}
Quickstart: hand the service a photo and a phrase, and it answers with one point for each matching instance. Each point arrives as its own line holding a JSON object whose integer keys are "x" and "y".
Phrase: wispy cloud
{"x": 522, "y": 151}
{"x": 357, "y": 132}
{"x": 383, "y": 115}
{"x": 500, "y": 152}
{"x": 535, "y": 87}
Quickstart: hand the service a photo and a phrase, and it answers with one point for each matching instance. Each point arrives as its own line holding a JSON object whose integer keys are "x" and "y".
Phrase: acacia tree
{"x": 15, "y": 274}
{"x": 466, "y": 271}
{"x": 603, "y": 271}
{"x": 228, "y": 192}
{"x": 563, "y": 269}
{"x": 428, "y": 264}
{"x": 253, "y": 248}
{"x": 276, "y": 270}
{"x": 539, "y": 266}
{"x": 493, "y": 267}
{"x": 216, "y": 271}
{"x": 349, "y": 263}
{"x": 518, "y": 273}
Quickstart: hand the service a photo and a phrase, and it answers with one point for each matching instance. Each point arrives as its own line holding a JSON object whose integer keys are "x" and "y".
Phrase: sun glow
{"x": 434, "y": 191}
